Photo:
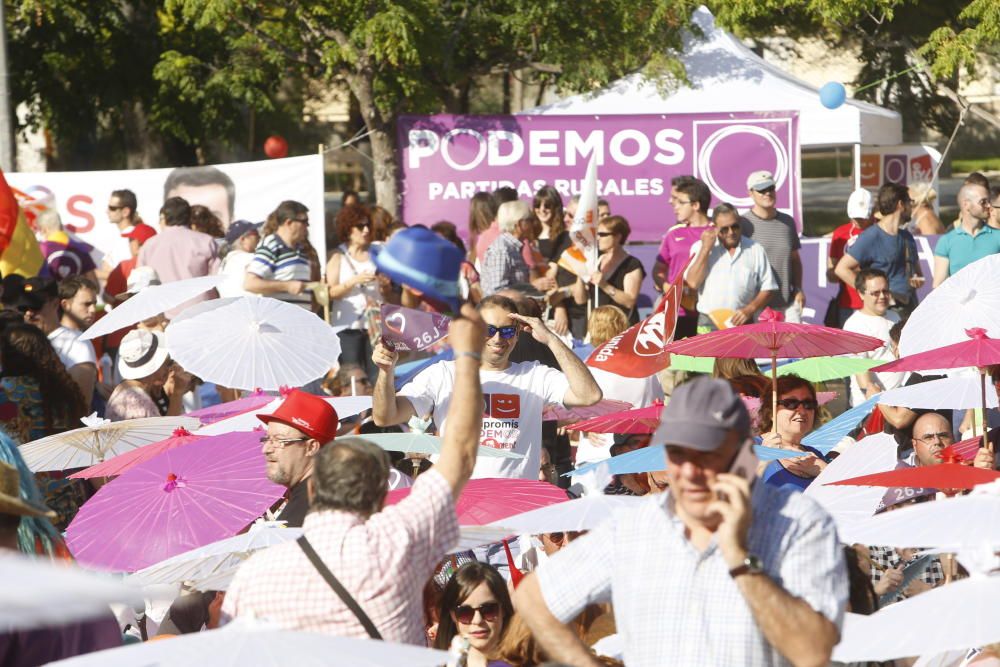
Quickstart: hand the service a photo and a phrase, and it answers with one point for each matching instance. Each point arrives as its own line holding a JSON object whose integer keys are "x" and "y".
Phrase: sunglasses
{"x": 560, "y": 536}
{"x": 363, "y": 225}
{"x": 505, "y": 332}
{"x": 766, "y": 191}
{"x": 604, "y": 235}
{"x": 729, "y": 229}
{"x": 115, "y": 208}
{"x": 794, "y": 404}
{"x": 489, "y": 611}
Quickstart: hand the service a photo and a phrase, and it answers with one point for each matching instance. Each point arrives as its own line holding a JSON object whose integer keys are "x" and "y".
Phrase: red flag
{"x": 638, "y": 351}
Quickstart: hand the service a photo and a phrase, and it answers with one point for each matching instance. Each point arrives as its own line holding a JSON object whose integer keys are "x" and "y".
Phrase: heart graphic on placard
{"x": 395, "y": 317}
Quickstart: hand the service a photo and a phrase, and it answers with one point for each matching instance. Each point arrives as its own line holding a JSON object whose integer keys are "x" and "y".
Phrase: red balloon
{"x": 275, "y": 146}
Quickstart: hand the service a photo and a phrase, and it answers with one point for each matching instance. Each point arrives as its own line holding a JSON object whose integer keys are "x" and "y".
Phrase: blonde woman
{"x": 923, "y": 219}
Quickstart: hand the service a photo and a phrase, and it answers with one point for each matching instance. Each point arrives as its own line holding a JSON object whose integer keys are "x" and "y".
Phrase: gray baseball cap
{"x": 699, "y": 415}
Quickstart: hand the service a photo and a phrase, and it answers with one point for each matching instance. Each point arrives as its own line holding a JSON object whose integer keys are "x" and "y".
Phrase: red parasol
{"x": 484, "y": 501}
{"x": 941, "y": 476}
{"x": 772, "y": 337}
{"x": 637, "y": 420}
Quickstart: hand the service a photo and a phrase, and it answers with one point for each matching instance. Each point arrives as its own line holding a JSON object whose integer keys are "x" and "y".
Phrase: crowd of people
{"x": 727, "y": 563}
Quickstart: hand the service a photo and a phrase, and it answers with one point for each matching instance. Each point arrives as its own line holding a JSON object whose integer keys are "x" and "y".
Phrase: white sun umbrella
{"x": 98, "y": 440}
{"x": 346, "y": 406}
{"x": 952, "y": 393}
{"x": 962, "y": 614}
{"x": 578, "y": 514}
{"x": 250, "y": 343}
{"x": 150, "y": 302}
{"x": 962, "y": 522}
{"x": 216, "y": 562}
{"x": 851, "y": 504}
{"x": 970, "y": 298}
{"x": 239, "y": 645}
{"x": 37, "y": 593}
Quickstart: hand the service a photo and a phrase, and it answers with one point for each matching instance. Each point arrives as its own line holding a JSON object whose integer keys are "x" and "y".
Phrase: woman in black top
{"x": 619, "y": 275}
{"x": 553, "y": 239}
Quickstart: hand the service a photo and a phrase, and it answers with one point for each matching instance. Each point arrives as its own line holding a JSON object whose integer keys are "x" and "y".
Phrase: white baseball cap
{"x": 760, "y": 180}
{"x": 859, "y": 204}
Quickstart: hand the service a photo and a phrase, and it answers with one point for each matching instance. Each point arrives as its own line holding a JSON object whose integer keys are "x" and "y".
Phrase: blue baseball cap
{"x": 420, "y": 259}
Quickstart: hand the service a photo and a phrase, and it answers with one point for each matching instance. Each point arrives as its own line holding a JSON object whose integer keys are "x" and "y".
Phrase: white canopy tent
{"x": 725, "y": 76}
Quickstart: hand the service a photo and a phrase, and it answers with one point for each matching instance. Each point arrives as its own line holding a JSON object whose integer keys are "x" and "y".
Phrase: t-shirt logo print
{"x": 502, "y": 406}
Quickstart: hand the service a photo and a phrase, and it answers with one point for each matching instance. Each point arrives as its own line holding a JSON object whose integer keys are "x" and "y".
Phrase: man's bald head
{"x": 974, "y": 202}
{"x": 931, "y": 434}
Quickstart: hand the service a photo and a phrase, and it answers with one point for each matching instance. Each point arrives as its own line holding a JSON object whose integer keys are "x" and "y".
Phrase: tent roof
{"x": 727, "y": 76}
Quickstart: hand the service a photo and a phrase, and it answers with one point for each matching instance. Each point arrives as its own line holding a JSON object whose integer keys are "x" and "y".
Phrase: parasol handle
{"x": 982, "y": 385}
{"x": 774, "y": 391}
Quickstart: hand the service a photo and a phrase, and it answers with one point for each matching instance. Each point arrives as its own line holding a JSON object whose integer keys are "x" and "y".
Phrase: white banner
{"x": 907, "y": 164}
{"x": 237, "y": 191}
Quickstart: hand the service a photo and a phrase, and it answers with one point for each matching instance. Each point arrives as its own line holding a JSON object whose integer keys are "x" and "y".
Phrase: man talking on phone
{"x": 716, "y": 571}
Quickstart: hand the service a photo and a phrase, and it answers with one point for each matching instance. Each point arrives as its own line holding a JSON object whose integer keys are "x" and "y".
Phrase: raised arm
{"x": 583, "y": 389}
{"x": 695, "y": 274}
{"x": 387, "y": 408}
{"x": 466, "y": 335}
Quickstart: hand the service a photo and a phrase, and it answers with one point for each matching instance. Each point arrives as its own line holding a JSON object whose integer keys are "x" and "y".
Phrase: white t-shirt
{"x": 234, "y": 268}
{"x": 513, "y": 401}
{"x": 640, "y": 392}
{"x": 876, "y": 326}
{"x": 72, "y": 350}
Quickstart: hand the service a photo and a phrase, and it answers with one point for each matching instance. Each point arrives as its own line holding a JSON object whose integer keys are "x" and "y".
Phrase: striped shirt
{"x": 780, "y": 239}
{"x": 274, "y": 260}
{"x": 675, "y": 605}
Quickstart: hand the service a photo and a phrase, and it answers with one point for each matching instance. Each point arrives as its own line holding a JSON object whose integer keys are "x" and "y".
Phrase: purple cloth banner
{"x": 408, "y": 329}
{"x": 447, "y": 159}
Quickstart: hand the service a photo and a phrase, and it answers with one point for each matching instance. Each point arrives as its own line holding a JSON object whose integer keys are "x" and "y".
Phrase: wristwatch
{"x": 751, "y": 565}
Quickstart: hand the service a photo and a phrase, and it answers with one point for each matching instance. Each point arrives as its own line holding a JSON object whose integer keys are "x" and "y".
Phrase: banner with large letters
{"x": 240, "y": 190}
{"x": 446, "y": 159}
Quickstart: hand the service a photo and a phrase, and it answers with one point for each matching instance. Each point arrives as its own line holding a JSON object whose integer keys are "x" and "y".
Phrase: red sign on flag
{"x": 638, "y": 352}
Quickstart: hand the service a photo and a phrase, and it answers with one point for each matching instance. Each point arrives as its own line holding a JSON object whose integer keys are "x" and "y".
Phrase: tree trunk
{"x": 381, "y": 128}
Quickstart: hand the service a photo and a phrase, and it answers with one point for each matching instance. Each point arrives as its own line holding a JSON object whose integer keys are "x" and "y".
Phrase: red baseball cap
{"x": 140, "y": 232}
{"x": 308, "y": 413}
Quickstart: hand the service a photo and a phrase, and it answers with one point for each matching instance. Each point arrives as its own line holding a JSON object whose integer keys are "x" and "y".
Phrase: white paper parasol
{"x": 970, "y": 298}
{"x": 250, "y": 343}
{"x": 952, "y": 393}
{"x": 150, "y": 302}
{"x": 959, "y": 615}
{"x": 851, "y": 504}
{"x": 216, "y": 562}
{"x": 98, "y": 440}
{"x": 36, "y": 593}
{"x": 240, "y": 644}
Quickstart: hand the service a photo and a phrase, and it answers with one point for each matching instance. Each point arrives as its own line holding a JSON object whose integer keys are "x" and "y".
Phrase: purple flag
{"x": 406, "y": 329}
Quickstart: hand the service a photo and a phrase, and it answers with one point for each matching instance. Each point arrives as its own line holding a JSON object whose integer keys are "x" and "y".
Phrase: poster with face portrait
{"x": 235, "y": 191}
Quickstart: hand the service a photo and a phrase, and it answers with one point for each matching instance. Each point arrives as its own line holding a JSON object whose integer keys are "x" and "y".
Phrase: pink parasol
{"x": 123, "y": 462}
{"x": 240, "y": 406}
{"x": 638, "y": 420}
{"x": 979, "y": 351}
{"x": 182, "y": 499}
{"x": 556, "y": 412}
{"x": 772, "y": 337}
{"x": 484, "y": 501}
{"x": 941, "y": 476}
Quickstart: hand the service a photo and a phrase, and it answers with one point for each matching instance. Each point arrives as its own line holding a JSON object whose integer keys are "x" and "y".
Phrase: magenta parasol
{"x": 182, "y": 499}
{"x": 240, "y": 406}
{"x": 772, "y": 337}
{"x": 979, "y": 351}
{"x": 638, "y": 420}
{"x": 484, "y": 501}
{"x": 123, "y": 462}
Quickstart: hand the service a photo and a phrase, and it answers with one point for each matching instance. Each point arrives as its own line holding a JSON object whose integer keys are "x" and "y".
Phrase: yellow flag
{"x": 23, "y": 255}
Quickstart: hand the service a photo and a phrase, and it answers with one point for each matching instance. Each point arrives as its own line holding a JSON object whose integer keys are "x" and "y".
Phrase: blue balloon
{"x": 832, "y": 94}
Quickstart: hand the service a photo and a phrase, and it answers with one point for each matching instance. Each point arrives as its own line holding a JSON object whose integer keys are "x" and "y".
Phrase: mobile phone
{"x": 744, "y": 465}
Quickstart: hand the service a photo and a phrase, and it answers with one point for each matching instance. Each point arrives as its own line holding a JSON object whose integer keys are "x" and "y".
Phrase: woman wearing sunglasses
{"x": 797, "y": 407}
{"x": 475, "y": 605}
{"x": 619, "y": 275}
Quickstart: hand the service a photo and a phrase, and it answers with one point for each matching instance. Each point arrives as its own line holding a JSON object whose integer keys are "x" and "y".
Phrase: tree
{"x": 423, "y": 56}
{"x": 933, "y": 38}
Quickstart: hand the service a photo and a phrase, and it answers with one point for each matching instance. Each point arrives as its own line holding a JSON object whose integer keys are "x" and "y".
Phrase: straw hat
{"x": 10, "y": 496}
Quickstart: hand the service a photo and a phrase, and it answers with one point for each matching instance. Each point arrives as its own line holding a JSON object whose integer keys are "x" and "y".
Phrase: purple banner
{"x": 447, "y": 159}
{"x": 407, "y": 329}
